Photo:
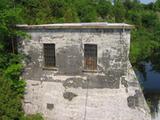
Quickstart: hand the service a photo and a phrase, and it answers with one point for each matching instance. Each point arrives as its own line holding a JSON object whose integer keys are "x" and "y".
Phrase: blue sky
{"x": 146, "y": 1}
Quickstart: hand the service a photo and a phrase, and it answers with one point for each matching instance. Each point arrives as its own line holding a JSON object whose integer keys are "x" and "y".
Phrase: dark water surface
{"x": 151, "y": 86}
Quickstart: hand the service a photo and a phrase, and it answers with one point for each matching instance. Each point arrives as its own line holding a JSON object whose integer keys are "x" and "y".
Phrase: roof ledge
{"x": 93, "y": 25}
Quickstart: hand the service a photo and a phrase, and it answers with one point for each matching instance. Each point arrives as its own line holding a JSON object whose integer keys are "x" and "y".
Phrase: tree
{"x": 87, "y": 13}
{"x": 149, "y": 19}
{"x": 157, "y": 5}
{"x": 10, "y": 107}
{"x": 71, "y": 15}
{"x": 36, "y": 11}
{"x": 57, "y": 8}
{"x": 12, "y": 87}
{"x": 104, "y": 8}
{"x": 133, "y": 5}
{"x": 134, "y": 17}
{"x": 119, "y": 11}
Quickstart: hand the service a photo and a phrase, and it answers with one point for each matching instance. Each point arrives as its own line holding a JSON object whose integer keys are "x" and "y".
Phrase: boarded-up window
{"x": 90, "y": 57}
{"x": 49, "y": 55}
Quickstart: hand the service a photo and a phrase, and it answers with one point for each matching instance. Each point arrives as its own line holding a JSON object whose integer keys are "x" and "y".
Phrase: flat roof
{"x": 77, "y": 25}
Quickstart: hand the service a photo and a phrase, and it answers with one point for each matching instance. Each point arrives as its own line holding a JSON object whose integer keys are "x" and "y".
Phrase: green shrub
{"x": 33, "y": 117}
{"x": 10, "y": 102}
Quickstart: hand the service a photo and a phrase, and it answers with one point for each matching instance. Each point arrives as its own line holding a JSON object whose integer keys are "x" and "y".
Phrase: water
{"x": 151, "y": 86}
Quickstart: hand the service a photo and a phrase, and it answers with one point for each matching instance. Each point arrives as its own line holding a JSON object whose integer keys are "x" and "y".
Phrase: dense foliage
{"x": 11, "y": 86}
{"x": 145, "y": 44}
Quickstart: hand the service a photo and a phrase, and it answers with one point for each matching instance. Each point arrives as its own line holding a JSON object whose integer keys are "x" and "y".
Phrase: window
{"x": 49, "y": 55}
{"x": 90, "y": 57}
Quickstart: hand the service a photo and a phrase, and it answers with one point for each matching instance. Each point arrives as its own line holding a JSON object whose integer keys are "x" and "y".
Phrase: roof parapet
{"x": 77, "y": 25}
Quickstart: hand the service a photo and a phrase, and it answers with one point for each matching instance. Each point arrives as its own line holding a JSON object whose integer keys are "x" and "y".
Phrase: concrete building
{"x": 81, "y": 71}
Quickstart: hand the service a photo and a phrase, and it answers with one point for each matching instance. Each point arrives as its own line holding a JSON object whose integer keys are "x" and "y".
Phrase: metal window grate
{"x": 49, "y": 55}
{"x": 90, "y": 57}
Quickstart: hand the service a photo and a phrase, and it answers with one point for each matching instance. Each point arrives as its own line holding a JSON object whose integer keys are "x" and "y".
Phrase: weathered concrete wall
{"x": 70, "y": 93}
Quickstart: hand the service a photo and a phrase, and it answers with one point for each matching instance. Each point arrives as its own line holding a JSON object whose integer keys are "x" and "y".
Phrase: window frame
{"x": 96, "y": 60}
{"x": 44, "y": 61}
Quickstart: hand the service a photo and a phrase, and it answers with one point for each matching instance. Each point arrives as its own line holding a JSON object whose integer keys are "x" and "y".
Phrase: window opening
{"x": 49, "y": 55}
{"x": 90, "y": 57}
